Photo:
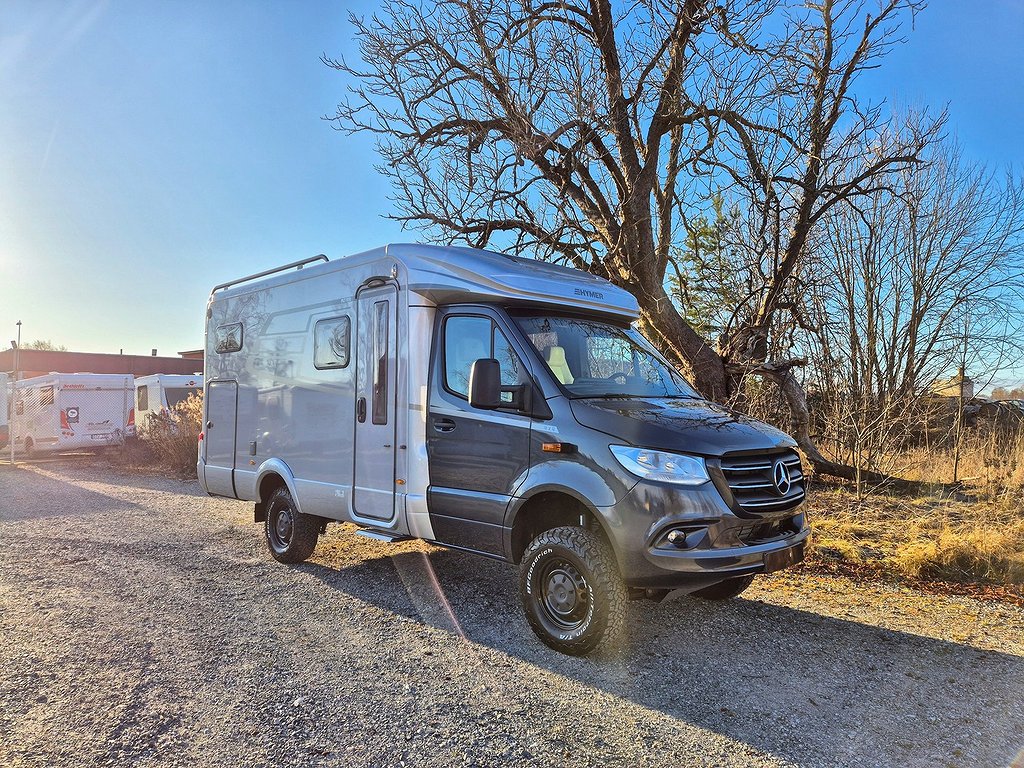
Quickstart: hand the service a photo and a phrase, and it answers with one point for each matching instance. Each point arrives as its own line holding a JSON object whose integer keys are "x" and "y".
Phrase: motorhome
{"x": 157, "y": 395}
{"x": 70, "y": 411}
{"x": 496, "y": 405}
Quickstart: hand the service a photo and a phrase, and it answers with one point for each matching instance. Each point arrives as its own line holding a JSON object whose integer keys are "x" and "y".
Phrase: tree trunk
{"x": 672, "y": 334}
{"x": 800, "y": 427}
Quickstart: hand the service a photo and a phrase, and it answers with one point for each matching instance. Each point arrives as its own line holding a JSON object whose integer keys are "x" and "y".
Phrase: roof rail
{"x": 266, "y": 272}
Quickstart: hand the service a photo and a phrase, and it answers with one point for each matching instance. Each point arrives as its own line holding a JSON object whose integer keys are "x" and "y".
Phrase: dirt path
{"x": 142, "y": 623}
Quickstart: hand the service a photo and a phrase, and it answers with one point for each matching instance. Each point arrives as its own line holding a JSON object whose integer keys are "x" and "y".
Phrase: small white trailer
{"x": 159, "y": 393}
{"x": 70, "y": 411}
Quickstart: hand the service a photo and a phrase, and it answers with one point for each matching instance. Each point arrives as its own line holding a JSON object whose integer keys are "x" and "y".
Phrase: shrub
{"x": 174, "y": 436}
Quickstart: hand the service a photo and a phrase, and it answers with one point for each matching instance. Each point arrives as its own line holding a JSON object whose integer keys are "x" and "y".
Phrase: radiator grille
{"x": 760, "y": 485}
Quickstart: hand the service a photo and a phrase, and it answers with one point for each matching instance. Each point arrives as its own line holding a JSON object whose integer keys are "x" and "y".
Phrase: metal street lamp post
{"x": 17, "y": 375}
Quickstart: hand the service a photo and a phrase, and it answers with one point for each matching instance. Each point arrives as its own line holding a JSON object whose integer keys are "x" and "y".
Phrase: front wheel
{"x": 571, "y": 590}
{"x": 724, "y": 590}
{"x": 291, "y": 535}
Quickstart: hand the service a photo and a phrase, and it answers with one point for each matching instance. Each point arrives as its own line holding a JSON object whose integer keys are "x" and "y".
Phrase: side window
{"x": 46, "y": 395}
{"x": 379, "y": 413}
{"x": 469, "y": 338}
{"x": 143, "y": 398}
{"x": 331, "y": 338}
{"x": 228, "y": 338}
{"x": 466, "y": 339}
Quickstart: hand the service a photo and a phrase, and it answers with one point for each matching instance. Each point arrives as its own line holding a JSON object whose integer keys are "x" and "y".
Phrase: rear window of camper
{"x": 176, "y": 395}
{"x": 331, "y": 342}
{"x": 229, "y": 338}
{"x": 46, "y": 395}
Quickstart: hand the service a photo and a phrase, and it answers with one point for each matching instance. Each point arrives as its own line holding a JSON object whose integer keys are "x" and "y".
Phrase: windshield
{"x": 594, "y": 359}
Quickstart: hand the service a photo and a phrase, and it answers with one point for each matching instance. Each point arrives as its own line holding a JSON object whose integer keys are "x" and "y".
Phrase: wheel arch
{"x": 273, "y": 474}
{"x": 547, "y": 507}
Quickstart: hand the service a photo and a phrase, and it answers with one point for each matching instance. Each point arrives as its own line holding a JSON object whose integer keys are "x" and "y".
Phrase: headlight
{"x": 663, "y": 467}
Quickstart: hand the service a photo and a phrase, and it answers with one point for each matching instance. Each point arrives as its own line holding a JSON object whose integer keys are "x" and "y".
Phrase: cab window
{"x": 468, "y": 338}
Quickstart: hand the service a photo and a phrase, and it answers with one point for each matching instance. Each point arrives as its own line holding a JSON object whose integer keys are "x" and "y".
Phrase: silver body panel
{"x": 269, "y": 409}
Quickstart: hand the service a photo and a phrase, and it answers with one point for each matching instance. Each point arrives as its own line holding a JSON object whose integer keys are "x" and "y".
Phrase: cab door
{"x": 373, "y": 491}
{"x": 477, "y": 458}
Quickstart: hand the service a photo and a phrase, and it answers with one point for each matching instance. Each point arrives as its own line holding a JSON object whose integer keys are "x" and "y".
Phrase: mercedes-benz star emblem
{"x": 781, "y": 478}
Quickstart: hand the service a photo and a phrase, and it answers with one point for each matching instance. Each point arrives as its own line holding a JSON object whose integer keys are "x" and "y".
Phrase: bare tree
{"x": 927, "y": 280}
{"x": 598, "y": 136}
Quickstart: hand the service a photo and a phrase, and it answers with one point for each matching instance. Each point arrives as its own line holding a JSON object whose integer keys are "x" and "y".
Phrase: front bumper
{"x": 714, "y": 543}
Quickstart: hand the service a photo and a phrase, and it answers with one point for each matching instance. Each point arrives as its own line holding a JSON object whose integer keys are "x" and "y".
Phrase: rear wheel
{"x": 291, "y": 536}
{"x": 725, "y": 590}
{"x": 571, "y": 590}
{"x": 30, "y": 448}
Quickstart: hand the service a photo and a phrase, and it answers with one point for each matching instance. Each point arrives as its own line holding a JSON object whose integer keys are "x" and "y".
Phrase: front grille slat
{"x": 750, "y": 480}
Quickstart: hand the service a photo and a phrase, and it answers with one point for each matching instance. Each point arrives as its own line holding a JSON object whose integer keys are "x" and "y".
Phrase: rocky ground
{"x": 143, "y": 623}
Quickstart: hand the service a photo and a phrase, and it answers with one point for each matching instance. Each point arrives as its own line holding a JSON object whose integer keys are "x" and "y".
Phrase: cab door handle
{"x": 444, "y": 425}
{"x": 361, "y": 409}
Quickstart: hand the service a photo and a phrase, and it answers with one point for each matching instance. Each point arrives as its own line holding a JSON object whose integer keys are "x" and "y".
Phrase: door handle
{"x": 444, "y": 425}
{"x": 361, "y": 409}
{"x": 209, "y": 425}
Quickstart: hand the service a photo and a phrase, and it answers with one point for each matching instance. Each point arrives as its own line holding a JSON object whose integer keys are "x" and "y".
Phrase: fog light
{"x": 687, "y": 536}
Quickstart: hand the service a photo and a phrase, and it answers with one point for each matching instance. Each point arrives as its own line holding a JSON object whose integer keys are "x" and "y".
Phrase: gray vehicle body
{"x": 326, "y": 379}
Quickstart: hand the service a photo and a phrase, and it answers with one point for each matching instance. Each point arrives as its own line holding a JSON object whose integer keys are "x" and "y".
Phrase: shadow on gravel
{"x": 28, "y": 495}
{"x": 786, "y": 681}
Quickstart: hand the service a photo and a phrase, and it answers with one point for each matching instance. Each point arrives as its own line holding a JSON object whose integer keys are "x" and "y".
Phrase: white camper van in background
{"x": 159, "y": 393}
{"x": 71, "y": 411}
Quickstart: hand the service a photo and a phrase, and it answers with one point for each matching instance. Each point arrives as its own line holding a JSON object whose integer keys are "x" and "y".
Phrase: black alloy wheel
{"x": 291, "y": 535}
{"x": 571, "y": 590}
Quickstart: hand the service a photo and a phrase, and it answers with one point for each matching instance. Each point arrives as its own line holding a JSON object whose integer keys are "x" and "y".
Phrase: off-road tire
{"x": 291, "y": 536}
{"x": 725, "y": 590}
{"x": 571, "y": 590}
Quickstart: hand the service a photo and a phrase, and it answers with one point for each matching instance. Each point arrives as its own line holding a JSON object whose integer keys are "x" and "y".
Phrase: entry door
{"x": 219, "y": 438}
{"x": 373, "y": 493}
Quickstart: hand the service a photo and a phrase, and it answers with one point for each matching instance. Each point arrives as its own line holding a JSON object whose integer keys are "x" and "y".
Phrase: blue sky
{"x": 149, "y": 150}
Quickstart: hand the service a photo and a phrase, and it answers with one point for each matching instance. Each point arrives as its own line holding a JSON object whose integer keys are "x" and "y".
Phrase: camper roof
{"x": 445, "y": 274}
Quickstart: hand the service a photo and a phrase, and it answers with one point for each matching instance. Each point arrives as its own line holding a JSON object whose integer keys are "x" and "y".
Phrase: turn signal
{"x": 558, "y": 447}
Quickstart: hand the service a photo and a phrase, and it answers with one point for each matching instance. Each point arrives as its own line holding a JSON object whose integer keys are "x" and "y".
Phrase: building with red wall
{"x": 37, "y": 362}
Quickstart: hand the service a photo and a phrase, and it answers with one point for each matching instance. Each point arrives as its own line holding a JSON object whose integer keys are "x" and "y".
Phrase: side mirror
{"x": 485, "y": 384}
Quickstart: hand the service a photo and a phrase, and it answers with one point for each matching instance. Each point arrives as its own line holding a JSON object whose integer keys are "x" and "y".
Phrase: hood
{"x": 679, "y": 425}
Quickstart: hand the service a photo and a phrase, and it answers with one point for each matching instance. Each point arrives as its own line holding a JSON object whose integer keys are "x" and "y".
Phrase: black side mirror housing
{"x": 485, "y": 384}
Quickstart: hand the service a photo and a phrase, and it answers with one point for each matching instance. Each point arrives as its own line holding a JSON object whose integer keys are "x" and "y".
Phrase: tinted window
{"x": 176, "y": 395}
{"x": 143, "y": 398}
{"x": 331, "y": 342}
{"x": 46, "y": 395}
{"x": 466, "y": 339}
{"x": 380, "y": 368}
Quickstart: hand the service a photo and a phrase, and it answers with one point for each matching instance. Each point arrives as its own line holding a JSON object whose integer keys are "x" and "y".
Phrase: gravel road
{"x": 142, "y": 623}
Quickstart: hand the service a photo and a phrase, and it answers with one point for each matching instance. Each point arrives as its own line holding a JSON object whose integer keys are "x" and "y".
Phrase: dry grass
{"x": 926, "y": 538}
{"x": 991, "y": 465}
{"x": 975, "y": 534}
{"x": 174, "y": 437}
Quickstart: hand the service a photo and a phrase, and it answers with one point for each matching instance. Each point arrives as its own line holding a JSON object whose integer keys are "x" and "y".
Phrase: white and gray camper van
{"x": 70, "y": 411}
{"x": 497, "y": 405}
{"x": 158, "y": 394}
